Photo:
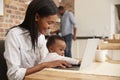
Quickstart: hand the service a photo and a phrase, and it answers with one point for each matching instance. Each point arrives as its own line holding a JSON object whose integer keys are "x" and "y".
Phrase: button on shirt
{"x": 67, "y": 23}
{"x": 19, "y": 53}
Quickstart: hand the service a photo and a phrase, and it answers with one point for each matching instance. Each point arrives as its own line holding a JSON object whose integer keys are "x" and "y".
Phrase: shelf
{"x": 109, "y": 46}
{"x": 112, "y": 40}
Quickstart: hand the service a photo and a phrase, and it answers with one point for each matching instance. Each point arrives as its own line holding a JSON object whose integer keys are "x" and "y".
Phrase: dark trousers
{"x": 68, "y": 40}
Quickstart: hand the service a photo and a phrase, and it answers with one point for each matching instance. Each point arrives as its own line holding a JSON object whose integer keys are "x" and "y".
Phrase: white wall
{"x": 93, "y": 17}
{"x": 116, "y": 1}
{"x": 78, "y": 48}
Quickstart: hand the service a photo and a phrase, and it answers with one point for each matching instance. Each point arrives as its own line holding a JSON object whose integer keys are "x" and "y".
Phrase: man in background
{"x": 67, "y": 28}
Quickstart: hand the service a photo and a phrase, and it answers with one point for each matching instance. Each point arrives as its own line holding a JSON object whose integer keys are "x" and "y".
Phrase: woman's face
{"x": 45, "y": 23}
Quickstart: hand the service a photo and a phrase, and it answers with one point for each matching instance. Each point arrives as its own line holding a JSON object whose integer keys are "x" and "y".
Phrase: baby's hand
{"x": 79, "y": 63}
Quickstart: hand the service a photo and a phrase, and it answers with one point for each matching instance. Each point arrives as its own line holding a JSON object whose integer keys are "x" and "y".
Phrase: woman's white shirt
{"x": 19, "y": 53}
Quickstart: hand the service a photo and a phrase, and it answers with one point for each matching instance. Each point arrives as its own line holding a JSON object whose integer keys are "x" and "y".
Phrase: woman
{"x": 25, "y": 44}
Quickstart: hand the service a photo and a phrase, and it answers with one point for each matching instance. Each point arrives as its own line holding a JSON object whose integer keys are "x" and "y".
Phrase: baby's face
{"x": 59, "y": 47}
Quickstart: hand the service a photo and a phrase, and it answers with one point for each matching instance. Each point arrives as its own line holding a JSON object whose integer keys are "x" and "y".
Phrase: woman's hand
{"x": 57, "y": 63}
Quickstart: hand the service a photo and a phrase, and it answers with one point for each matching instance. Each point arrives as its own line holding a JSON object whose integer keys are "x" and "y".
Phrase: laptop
{"x": 88, "y": 55}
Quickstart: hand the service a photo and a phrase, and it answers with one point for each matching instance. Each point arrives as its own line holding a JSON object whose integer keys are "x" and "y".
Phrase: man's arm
{"x": 74, "y": 33}
{"x": 72, "y": 19}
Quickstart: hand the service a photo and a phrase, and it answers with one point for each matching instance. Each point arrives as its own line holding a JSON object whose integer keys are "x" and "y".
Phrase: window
{"x": 1, "y": 7}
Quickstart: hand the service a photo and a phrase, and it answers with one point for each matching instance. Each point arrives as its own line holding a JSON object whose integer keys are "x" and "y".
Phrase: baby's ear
{"x": 51, "y": 49}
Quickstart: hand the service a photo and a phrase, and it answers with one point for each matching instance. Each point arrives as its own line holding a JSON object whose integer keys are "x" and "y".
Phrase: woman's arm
{"x": 57, "y": 63}
{"x": 12, "y": 56}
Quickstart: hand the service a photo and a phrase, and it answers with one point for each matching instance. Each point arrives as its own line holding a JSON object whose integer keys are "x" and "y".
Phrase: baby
{"x": 56, "y": 46}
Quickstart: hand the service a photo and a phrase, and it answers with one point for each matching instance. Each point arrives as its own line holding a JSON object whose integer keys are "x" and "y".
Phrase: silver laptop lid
{"x": 89, "y": 53}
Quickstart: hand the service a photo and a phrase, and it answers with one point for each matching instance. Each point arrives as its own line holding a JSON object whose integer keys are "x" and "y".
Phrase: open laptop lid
{"x": 89, "y": 53}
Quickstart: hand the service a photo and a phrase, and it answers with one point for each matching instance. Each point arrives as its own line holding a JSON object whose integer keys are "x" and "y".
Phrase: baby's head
{"x": 56, "y": 44}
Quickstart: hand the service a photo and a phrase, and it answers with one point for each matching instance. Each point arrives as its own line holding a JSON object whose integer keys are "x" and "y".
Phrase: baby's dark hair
{"x": 51, "y": 40}
{"x": 60, "y": 8}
